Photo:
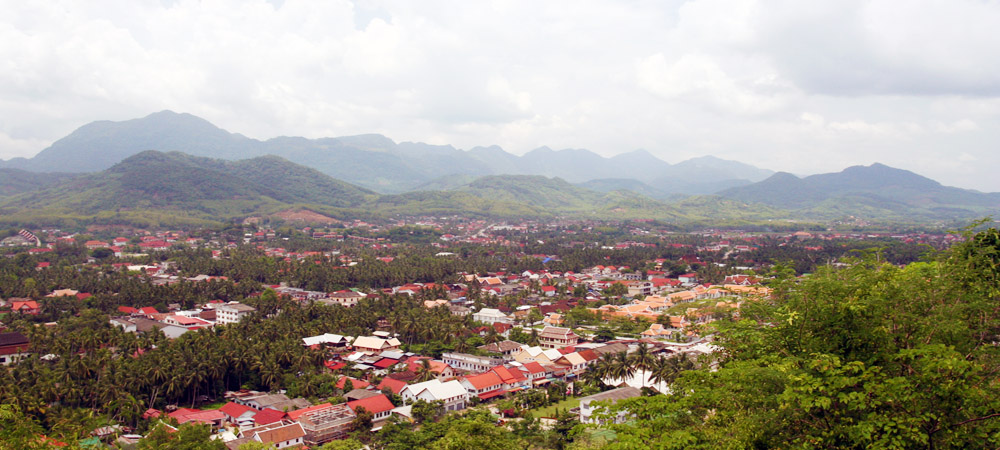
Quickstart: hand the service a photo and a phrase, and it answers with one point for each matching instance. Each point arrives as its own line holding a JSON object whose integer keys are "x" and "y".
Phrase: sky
{"x": 803, "y": 87}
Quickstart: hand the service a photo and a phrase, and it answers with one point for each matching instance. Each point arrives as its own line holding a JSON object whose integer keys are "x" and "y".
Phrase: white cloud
{"x": 798, "y": 86}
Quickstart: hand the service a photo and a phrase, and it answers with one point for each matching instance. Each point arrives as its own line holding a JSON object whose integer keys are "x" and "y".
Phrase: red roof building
{"x": 379, "y": 406}
{"x": 358, "y": 384}
{"x": 268, "y": 415}
{"x": 394, "y": 385}
{"x": 294, "y": 415}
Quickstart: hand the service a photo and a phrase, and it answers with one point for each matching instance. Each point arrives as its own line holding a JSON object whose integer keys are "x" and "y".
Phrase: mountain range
{"x": 154, "y": 188}
{"x": 375, "y": 161}
{"x": 212, "y": 176}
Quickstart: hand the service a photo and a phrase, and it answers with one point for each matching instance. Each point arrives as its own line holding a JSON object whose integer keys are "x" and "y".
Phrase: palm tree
{"x": 666, "y": 368}
{"x": 425, "y": 372}
{"x": 642, "y": 360}
{"x": 622, "y": 368}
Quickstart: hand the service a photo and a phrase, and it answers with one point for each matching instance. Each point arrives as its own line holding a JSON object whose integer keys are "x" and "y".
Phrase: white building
{"x": 451, "y": 393}
{"x": 232, "y": 312}
{"x": 587, "y": 407}
{"x": 471, "y": 363}
{"x": 491, "y": 316}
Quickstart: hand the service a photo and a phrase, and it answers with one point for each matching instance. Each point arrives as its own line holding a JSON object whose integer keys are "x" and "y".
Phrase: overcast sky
{"x": 800, "y": 86}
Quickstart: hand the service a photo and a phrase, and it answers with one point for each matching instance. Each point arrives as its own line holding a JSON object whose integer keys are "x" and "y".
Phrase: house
{"x": 639, "y": 288}
{"x": 688, "y": 278}
{"x": 239, "y": 415}
{"x": 380, "y": 406}
{"x": 214, "y": 417}
{"x": 443, "y": 370}
{"x": 505, "y": 349}
{"x": 326, "y": 424}
{"x": 344, "y": 298}
{"x": 486, "y": 385}
{"x": 232, "y": 312}
{"x": 471, "y": 363}
{"x": 91, "y": 245}
{"x": 278, "y": 434}
{"x": 13, "y": 347}
{"x": 373, "y": 345}
{"x": 186, "y": 322}
{"x": 533, "y": 371}
{"x": 537, "y": 354}
{"x": 577, "y": 362}
{"x": 268, "y": 416}
{"x": 355, "y": 383}
{"x": 25, "y": 307}
{"x": 63, "y": 293}
{"x": 328, "y": 339}
{"x": 392, "y": 384}
{"x": 588, "y": 408}
{"x": 491, "y": 316}
{"x": 554, "y": 319}
{"x": 280, "y": 402}
{"x": 451, "y": 393}
{"x": 557, "y": 337}
{"x": 513, "y": 378}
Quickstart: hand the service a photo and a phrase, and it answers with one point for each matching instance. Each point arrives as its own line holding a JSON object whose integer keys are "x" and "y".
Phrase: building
{"x": 344, "y": 298}
{"x": 379, "y": 405}
{"x": 451, "y": 393}
{"x": 557, "y": 337}
{"x": 13, "y": 347}
{"x": 232, "y": 313}
{"x": 374, "y": 345}
{"x": 639, "y": 288}
{"x": 471, "y": 363}
{"x": 506, "y": 349}
{"x": 327, "y": 339}
{"x": 491, "y": 316}
{"x": 486, "y": 385}
{"x": 279, "y": 434}
{"x": 326, "y": 424}
{"x": 588, "y": 409}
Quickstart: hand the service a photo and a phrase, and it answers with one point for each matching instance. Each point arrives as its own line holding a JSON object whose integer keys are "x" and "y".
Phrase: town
{"x": 301, "y": 336}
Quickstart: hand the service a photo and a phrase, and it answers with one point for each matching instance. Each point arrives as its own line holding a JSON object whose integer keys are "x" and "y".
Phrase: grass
{"x": 550, "y": 411}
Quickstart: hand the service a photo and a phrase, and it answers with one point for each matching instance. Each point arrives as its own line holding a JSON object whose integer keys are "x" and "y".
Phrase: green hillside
{"x": 875, "y": 191}
{"x": 16, "y": 181}
{"x": 155, "y": 187}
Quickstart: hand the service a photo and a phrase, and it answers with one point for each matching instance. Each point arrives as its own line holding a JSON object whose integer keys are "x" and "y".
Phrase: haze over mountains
{"x": 375, "y": 161}
{"x": 200, "y": 173}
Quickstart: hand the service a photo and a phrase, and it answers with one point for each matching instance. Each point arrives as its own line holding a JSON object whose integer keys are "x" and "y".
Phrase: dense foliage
{"x": 868, "y": 356}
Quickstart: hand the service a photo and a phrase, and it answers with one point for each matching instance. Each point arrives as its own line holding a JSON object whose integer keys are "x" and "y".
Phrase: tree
{"x": 187, "y": 437}
{"x": 345, "y": 444}
{"x": 424, "y": 411}
{"x": 362, "y": 421}
{"x": 866, "y": 356}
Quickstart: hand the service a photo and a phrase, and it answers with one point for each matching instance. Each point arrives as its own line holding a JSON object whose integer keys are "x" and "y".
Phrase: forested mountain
{"x": 875, "y": 190}
{"x": 371, "y": 160}
{"x": 185, "y": 187}
{"x": 16, "y": 181}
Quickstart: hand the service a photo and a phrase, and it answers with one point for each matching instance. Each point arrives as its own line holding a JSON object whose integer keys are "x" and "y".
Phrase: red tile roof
{"x": 491, "y": 394}
{"x": 534, "y": 367}
{"x": 358, "y": 384}
{"x": 488, "y": 379}
{"x": 234, "y": 410}
{"x": 294, "y": 415}
{"x": 268, "y": 415}
{"x": 508, "y": 376}
{"x": 394, "y": 385}
{"x": 377, "y": 404}
{"x": 385, "y": 363}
